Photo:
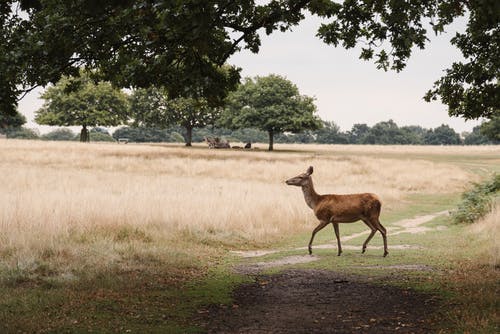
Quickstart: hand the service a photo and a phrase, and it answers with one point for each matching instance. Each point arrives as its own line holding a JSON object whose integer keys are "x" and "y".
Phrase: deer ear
{"x": 310, "y": 170}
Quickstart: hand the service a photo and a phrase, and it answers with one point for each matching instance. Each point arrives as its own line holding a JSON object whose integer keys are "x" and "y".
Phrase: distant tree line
{"x": 382, "y": 133}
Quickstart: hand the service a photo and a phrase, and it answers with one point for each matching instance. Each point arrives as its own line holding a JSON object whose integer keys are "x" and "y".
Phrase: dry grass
{"x": 71, "y": 207}
{"x": 487, "y": 230}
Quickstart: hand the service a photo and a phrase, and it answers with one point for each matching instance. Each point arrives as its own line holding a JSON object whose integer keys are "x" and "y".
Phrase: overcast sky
{"x": 347, "y": 89}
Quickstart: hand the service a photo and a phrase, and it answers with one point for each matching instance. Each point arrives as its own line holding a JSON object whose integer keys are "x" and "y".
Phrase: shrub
{"x": 477, "y": 202}
{"x": 59, "y": 134}
{"x": 99, "y": 136}
{"x": 22, "y": 133}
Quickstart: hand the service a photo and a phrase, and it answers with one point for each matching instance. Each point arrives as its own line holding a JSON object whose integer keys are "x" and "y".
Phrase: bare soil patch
{"x": 319, "y": 301}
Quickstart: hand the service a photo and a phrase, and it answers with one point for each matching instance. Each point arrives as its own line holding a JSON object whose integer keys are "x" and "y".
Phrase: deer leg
{"x": 384, "y": 236}
{"x": 318, "y": 228}
{"x": 336, "y": 228}
{"x": 372, "y": 233}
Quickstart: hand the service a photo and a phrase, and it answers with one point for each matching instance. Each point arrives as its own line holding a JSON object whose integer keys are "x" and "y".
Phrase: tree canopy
{"x": 80, "y": 101}
{"x": 183, "y": 44}
{"x": 271, "y": 104}
{"x": 152, "y": 107}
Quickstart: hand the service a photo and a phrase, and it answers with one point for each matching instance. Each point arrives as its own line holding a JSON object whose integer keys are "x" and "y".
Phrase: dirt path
{"x": 321, "y": 301}
{"x": 316, "y": 301}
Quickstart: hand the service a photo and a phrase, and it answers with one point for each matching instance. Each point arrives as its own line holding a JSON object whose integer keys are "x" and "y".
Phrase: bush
{"x": 477, "y": 202}
{"x": 22, "y": 133}
{"x": 99, "y": 136}
{"x": 59, "y": 134}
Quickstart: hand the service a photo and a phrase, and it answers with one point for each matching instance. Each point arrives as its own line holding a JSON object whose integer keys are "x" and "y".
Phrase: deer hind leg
{"x": 383, "y": 231}
{"x": 336, "y": 228}
{"x": 318, "y": 228}
{"x": 372, "y": 233}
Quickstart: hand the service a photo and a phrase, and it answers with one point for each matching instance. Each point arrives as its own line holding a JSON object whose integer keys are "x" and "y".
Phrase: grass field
{"x": 114, "y": 237}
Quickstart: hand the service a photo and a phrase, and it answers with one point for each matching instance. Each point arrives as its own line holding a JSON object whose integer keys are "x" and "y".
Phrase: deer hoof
{"x": 310, "y": 251}
{"x": 385, "y": 253}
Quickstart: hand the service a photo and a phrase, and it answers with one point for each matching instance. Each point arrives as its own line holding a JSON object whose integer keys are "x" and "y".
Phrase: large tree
{"x": 272, "y": 104}
{"x": 152, "y": 107}
{"x": 181, "y": 44}
{"x": 80, "y": 101}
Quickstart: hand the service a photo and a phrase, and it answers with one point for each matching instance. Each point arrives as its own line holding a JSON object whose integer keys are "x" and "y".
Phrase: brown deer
{"x": 337, "y": 209}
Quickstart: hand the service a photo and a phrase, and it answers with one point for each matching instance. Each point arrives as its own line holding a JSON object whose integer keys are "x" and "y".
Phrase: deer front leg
{"x": 336, "y": 228}
{"x": 318, "y": 228}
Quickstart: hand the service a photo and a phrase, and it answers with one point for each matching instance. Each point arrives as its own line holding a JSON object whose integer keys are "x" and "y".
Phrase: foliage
{"x": 470, "y": 87}
{"x": 59, "y": 134}
{"x": 80, "y": 101}
{"x": 477, "y": 201}
{"x": 271, "y": 104}
{"x": 143, "y": 134}
{"x": 99, "y": 136}
{"x": 180, "y": 45}
{"x": 442, "y": 135}
{"x": 11, "y": 121}
{"x": 358, "y": 133}
{"x": 22, "y": 133}
{"x": 491, "y": 129}
{"x": 476, "y": 137}
{"x": 152, "y": 107}
{"x": 330, "y": 134}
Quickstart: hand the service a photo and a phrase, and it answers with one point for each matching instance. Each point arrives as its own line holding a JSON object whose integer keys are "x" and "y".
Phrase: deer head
{"x": 301, "y": 179}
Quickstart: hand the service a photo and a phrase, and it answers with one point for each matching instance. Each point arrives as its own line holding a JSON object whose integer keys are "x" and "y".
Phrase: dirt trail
{"x": 321, "y": 301}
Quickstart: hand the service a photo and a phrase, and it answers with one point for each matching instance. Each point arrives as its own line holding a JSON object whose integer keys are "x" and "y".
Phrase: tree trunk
{"x": 84, "y": 135}
{"x": 189, "y": 135}
{"x": 271, "y": 139}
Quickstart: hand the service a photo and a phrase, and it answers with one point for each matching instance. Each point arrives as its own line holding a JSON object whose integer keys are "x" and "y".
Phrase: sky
{"x": 347, "y": 90}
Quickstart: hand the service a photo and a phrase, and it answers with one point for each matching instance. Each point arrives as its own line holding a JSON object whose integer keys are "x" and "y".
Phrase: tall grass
{"x": 69, "y": 208}
{"x": 487, "y": 230}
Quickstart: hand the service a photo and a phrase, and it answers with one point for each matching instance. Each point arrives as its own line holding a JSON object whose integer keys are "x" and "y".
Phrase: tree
{"x": 182, "y": 44}
{"x": 330, "y": 134}
{"x": 272, "y": 104}
{"x": 152, "y": 107}
{"x": 470, "y": 88}
{"x": 491, "y": 129}
{"x": 442, "y": 135}
{"x": 358, "y": 133}
{"x": 414, "y": 134}
{"x": 80, "y": 101}
{"x": 476, "y": 137}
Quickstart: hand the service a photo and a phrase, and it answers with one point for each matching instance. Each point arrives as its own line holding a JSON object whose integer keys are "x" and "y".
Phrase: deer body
{"x": 337, "y": 209}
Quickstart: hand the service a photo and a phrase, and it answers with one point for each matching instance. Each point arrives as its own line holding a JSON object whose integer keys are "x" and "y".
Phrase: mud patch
{"x": 319, "y": 301}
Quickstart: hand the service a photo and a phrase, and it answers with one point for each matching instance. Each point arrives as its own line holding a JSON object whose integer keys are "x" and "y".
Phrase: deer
{"x": 336, "y": 209}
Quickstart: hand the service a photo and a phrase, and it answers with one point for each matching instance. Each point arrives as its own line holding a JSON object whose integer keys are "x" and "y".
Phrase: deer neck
{"x": 310, "y": 195}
